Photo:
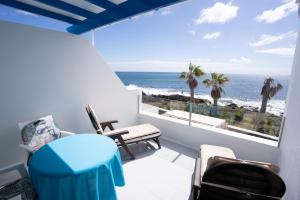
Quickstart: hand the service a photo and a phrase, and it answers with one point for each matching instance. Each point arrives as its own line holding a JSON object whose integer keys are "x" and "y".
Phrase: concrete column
{"x": 289, "y": 158}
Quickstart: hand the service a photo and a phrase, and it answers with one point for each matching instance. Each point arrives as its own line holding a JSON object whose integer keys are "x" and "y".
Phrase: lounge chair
{"x": 125, "y": 136}
{"x": 220, "y": 176}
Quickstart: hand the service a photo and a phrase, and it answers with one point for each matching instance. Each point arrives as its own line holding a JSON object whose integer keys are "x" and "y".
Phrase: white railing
{"x": 262, "y": 125}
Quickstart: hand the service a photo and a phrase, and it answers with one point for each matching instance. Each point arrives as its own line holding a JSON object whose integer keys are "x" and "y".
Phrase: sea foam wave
{"x": 275, "y": 107}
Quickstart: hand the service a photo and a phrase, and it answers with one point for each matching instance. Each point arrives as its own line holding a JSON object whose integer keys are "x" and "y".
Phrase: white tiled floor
{"x": 164, "y": 174}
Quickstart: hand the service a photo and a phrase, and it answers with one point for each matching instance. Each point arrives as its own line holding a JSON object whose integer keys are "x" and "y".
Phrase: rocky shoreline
{"x": 246, "y": 117}
{"x": 183, "y": 98}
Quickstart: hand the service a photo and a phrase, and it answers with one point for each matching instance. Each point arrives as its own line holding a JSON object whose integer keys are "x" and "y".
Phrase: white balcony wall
{"x": 46, "y": 72}
{"x": 290, "y": 144}
{"x": 244, "y": 146}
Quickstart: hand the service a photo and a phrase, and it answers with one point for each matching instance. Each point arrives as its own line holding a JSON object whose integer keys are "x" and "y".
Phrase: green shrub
{"x": 225, "y": 115}
{"x": 168, "y": 107}
{"x": 270, "y": 122}
{"x": 238, "y": 116}
{"x": 187, "y": 107}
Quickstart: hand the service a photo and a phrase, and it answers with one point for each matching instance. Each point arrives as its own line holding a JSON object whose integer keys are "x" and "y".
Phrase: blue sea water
{"x": 241, "y": 89}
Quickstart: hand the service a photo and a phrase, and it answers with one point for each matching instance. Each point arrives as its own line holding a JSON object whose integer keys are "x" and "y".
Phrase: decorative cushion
{"x": 217, "y": 160}
{"x": 39, "y": 132}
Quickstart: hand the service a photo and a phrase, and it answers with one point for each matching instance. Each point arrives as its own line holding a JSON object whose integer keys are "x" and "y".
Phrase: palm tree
{"x": 216, "y": 83}
{"x": 269, "y": 90}
{"x": 190, "y": 77}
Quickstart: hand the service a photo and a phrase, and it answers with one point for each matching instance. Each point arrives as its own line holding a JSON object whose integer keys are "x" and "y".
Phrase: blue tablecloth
{"x": 79, "y": 167}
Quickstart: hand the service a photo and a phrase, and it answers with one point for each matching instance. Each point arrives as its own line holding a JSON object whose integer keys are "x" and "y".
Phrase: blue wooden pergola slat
{"x": 132, "y": 8}
{"x": 103, "y": 3}
{"x": 111, "y": 14}
{"x": 39, "y": 11}
{"x": 68, "y": 7}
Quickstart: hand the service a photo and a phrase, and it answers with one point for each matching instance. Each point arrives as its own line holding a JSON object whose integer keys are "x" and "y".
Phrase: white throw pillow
{"x": 37, "y": 133}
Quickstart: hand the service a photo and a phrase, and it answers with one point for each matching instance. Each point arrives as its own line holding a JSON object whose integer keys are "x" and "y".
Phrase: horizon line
{"x": 205, "y": 73}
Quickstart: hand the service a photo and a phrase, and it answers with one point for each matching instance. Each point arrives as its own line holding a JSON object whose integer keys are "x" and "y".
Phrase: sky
{"x": 223, "y": 36}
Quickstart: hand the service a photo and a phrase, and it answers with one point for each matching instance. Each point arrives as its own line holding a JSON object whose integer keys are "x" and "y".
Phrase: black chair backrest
{"x": 241, "y": 181}
{"x": 94, "y": 119}
{"x": 20, "y": 187}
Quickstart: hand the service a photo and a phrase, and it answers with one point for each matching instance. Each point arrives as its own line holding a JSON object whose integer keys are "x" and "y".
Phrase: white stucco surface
{"x": 46, "y": 72}
{"x": 289, "y": 158}
{"x": 245, "y": 146}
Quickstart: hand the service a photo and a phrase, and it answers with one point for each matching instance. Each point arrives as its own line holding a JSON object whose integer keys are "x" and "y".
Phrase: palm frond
{"x": 191, "y": 67}
{"x": 190, "y": 76}
{"x": 216, "y": 82}
{"x": 275, "y": 89}
{"x": 207, "y": 82}
{"x": 214, "y": 76}
{"x": 197, "y": 71}
{"x": 222, "y": 90}
{"x": 279, "y": 86}
{"x": 183, "y": 75}
{"x": 270, "y": 88}
{"x": 222, "y": 79}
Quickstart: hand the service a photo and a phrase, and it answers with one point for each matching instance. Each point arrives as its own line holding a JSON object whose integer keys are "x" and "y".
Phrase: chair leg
{"x": 157, "y": 142}
{"x": 124, "y": 145}
{"x": 195, "y": 193}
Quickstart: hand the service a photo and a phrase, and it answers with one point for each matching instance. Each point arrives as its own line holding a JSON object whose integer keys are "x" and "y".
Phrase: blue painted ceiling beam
{"x": 68, "y": 7}
{"x": 103, "y": 3}
{"x": 39, "y": 11}
{"x": 125, "y": 10}
{"x": 112, "y": 14}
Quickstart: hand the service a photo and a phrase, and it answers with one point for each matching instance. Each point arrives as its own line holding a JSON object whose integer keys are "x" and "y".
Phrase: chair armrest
{"x": 116, "y": 134}
{"x": 240, "y": 191}
{"x": 66, "y": 133}
{"x": 197, "y": 173}
{"x": 27, "y": 148}
{"x": 108, "y": 124}
{"x": 20, "y": 167}
{"x": 229, "y": 188}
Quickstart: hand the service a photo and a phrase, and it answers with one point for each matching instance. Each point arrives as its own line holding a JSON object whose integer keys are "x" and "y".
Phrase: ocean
{"x": 243, "y": 90}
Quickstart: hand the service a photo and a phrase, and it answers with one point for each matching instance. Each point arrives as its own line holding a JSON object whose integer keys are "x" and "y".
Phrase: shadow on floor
{"x": 176, "y": 155}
